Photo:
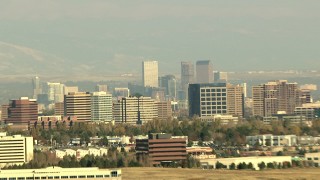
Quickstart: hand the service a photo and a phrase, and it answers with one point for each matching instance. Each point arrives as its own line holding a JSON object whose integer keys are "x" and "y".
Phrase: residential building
{"x": 78, "y": 104}
{"x": 272, "y": 140}
{"x": 187, "y": 77}
{"x": 150, "y": 73}
{"x": 135, "y": 110}
{"x": 275, "y": 96}
{"x": 15, "y": 150}
{"x": 204, "y": 70}
{"x": 22, "y": 110}
{"x": 235, "y": 100}
{"x": 162, "y": 148}
{"x": 55, "y": 172}
{"x": 101, "y": 107}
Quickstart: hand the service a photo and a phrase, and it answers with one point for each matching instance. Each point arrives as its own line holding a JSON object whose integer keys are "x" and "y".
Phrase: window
{"x": 114, "y": 174}
{"x": 90, "y": 176}
{"x": 82, "y": 176}
{"x": 309, "y": 159}
{"x": 316, "y": 158}
{"x": 50, "y": 177}
{"x": 20, "y": 178}
{"x": 29, "y": 177}
{"x": 37, "y": 178}
{"x": 64, "y": 177}
{"x": 43, "y": 177}
{"x": 107, "y": 175}
{"x": 5, "y": 178}
{"x": 73, "y": 177}
{"x": 57, "y": 177}
{"x": 12, "y": 178}
{"x": 99, "y": 176}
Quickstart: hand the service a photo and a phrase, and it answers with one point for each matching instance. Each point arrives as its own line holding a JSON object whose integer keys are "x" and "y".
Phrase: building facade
{"x": 150, "y": 73}
{"x": 162, "y": 148}
{"x": 15, "y": 150}
{"x": 204, "y": 70}
{"x": 101, "y": 106}
{"x": 78, "y": 104}
{"x": 164, "y": 110}
{"x": 135, "y": 110}
{"x": 272, "y": 140}
{"x": 187, "y": 77}
{"x": 22, "y": 111}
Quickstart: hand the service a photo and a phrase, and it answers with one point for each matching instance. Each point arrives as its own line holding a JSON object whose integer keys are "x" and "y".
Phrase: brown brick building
{"x": 22, "y": 111}
{"x": 162, "y": 148}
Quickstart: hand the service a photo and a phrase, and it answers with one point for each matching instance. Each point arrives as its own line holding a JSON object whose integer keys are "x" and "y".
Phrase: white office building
{"x": 150, "y": 73}
{"x": 101, "y": 106}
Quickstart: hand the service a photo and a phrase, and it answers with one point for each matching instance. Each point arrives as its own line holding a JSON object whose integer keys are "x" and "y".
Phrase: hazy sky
{"x": 116, "y": 35}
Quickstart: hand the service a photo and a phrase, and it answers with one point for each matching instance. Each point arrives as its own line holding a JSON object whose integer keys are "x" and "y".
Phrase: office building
{"x": 204, "y": 70}
{"x": 272, "y": 140}
{"x": 22, "y": 110}
{"x": 121, "y": 92}
{"x": 187, "y": 77}
{"x": 59, "y": 109}
{"x": 244, "y": 87}
{"x": 51, "y": 122}
{"x": 55, "y": 92}
{"x": 135, "y": 110}
{"x": 36, "y": 87}
{"x": 101, "y": 106}
{"x": 4, "y": 112}
{"x": 101, "y": 87}
{"x": 15, "y": 150}
{"x": 275, "y": 96}
{"x": 162, "y": 148}
{"x": 235, "y": 100}
{"x": 150, "y": 73}
{"x": 70, "y": 89}
{"x": 55, "y": 172}
{"x": 164, "y": 110}
{"x": 207, "y": 99}
{"x": 220, "y": 76}
{"x": 78, "y": 104}
{"x": 310, "y": 110}
{"x": 169, "y": 83}
{"x": 314, "y": 158}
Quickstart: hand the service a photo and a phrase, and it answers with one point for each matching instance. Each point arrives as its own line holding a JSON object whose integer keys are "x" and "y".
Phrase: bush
{"x": 262, "y": 165}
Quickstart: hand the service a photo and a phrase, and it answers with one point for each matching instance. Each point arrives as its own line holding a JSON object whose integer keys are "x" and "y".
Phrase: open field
{"x": 199, "y": 174}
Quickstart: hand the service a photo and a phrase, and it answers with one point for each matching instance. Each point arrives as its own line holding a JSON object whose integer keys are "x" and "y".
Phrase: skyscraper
{"x": 170, "y": 84}
{"x": 101, "y": 106}
{"x": 78, "y": 104}
{"x": 235, "y": 100}
{"x": 55, "y": 92}
{"x": 36, "y": 87}
{"x": 150, "y": 73}
{"x": 187, "y": 76}
{"x": 102, "y": 87}
{"x": 220, "y": 76}
{"x": 204, "y": 71}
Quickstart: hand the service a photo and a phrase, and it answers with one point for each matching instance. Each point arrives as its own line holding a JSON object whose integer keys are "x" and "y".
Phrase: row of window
{"x": 213, "y": 94}
{"x": 315, "y": 158}
{"x": 213, "y": 107}
{"x": 214, "y": 112}
{"x": 113, "y": 174}
{"x": 214, "y": 90}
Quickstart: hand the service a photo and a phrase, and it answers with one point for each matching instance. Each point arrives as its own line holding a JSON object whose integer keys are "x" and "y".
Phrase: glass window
{"x": 73, "y": 177}
{"x": 107, "y": 175}
{"x": 64, "y": 177}
{"x": 99, "y": 176}
{"x": 57, "y": 177}
{"x": 36, "y": 177}
{"x": 12, "y": 178}
{"x": 82, "y": 176}
{"x": 43, "y": 177}
{"x": 309, "y": 159}
{"x": 20, "y": 178}
{"x": 50, "y": 177}
{"x": 90, "y": 176}
{"x": 114, "y": 174}
{"x": 29, "y": 177}
{"x": 316, "y": 158}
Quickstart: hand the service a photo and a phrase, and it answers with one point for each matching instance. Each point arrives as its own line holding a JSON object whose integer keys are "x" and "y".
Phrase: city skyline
{"x": 96, "y": 38}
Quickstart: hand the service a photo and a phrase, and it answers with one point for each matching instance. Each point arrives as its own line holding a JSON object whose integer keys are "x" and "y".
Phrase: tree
{"x": 232, "y": 166}
{"x": 270, "y": 165}
{"x": 262, "y": 165}
{"x": 219, "y": 165}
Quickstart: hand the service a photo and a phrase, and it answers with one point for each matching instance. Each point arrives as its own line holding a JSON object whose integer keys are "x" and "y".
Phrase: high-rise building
{"x": 101, "y": 106}
{"x": 220, "y": 76}
{"x": 204, "y": 70}
{"x": 235, "y": 100}
{"x": 275, "y": 96}
{"x": 70, "y": 89}
{"x": 36, "y": 87}
{"x": 135, "y": 110}
{"x": 244, "y": 86}
{"x": 59, "y": 109}
{"x": 207, "y": 99}
{"x": 4, "y": 112}
{"x": 150, "y": 73}
{"x": 22, "y": 110}
{"x": 187, "y": 76}
{"x": 78, "y": 104}
{"x": 164, "y": 110}
{"x": 55, "y": 92}
{"x": 15, "y": 150}
{"x": 102, "y": 87}
{"x": 169, "y": 84}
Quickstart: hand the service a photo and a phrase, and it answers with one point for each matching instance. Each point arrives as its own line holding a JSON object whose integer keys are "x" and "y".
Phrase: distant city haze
{"x": 95, "y": 38}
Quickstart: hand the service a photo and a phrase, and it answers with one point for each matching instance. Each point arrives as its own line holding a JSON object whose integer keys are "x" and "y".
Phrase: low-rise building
{"x": 198, "y": 152}
{"x": 314, "y": 157}
{"x": 162, "y": 148}
{"x": 80, "y": 153}
{"x": 61, "y": 173}
{"x": 255, "y": 161}
{"x": 223, "y": 119}
{"x": 272, "y": 140}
